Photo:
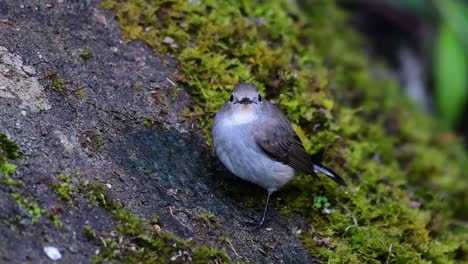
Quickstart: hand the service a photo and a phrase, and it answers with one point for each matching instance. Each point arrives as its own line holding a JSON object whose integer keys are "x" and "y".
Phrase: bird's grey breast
{"x": 236, "y": 147}
{"x": 234, "y": 143}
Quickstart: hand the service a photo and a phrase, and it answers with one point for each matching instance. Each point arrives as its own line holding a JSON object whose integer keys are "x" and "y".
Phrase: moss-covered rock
{"x": 8, "y": 150}
{"x": 137, "y": 241}
{"x": 407, "y": 187}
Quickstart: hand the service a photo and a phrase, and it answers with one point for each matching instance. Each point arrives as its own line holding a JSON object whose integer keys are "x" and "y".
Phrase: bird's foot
{"x": 255, "y": 223}
{"x": 249, "y": 223}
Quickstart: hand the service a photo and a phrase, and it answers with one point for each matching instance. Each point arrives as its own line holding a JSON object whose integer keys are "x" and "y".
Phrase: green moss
{"x": 98, "y": 140}
{"x": 176, "y": 91}
{"x": 136, "y": 87}
{"x": 79, "y": 93}
{"x": 407, "y": 191}
{"x": 7, "y": 168}
{"x": 58, "y": 83}
{"x": 7, "y": 180}
{"x": 34, "y": 211}
{"x": 154, "y": 220}
{"x": 10, "y": 150}
{"x": 64, "y": 188}
{"x": 86, "y": 55}
{"x": 31, "y": 208}
{"x": 92, "y": 140}
{"x": 89, "y": 232}
{"x": 55, "y": 219}
{"x": 138, "y": 240}
{"x": 148, "y": 122}
{"x": 208, "y": 218}
{"x": 208, "y": 255}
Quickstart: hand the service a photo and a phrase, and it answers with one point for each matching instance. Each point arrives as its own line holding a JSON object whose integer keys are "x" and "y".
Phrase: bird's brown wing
{"x": 276, "y": 137}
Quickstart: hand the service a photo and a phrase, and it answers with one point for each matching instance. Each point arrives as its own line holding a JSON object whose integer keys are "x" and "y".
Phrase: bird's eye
{"x": 259, "y": 98}
{"x": 231, "y": 98}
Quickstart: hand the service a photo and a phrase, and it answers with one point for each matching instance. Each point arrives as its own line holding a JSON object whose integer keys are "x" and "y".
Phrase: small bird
{"x": 257, "y": 143}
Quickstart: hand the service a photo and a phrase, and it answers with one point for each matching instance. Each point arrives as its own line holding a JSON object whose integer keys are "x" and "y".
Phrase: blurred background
{"x": 426, "y": 43}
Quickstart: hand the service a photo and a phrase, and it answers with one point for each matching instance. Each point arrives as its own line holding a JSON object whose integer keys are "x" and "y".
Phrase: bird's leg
{"x": 260, "y": 224}
{"x": 266, "y": 209}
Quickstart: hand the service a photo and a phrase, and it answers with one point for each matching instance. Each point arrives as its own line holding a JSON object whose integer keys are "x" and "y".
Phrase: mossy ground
{"x": 9, "y": 151}
{"x": 407, "y": 191}
{"x": 133, "y": 241}
{"x": 140, "y": 241}
{"x": 86, "y": 55}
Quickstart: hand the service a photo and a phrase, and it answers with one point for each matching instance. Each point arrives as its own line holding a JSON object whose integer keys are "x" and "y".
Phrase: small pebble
{"x": 52, "y": 252}
{"x": 157, "y": 228}
{"x": 168, "y": 40}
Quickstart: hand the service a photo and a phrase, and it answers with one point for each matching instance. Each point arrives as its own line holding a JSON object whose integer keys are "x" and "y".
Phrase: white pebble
{"x": 52, "y": 252}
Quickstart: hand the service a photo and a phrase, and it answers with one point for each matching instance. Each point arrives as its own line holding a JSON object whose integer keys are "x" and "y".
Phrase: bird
{"x": 256, "y": 142}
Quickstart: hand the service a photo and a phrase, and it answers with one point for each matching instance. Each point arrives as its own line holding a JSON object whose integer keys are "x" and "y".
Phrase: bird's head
{"x": 244, "y": 104}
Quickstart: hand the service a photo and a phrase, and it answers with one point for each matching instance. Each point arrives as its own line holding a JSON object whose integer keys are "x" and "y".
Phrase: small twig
{"x": 356, "y": 224}
{"x": 170, "y": 210}
{"x": 459, "y": 223}
{"x": 389, "y": 253}
{"x": 171, "y": 82}
{"x": 262, "y": 251}
{"x": 233, "y": 249}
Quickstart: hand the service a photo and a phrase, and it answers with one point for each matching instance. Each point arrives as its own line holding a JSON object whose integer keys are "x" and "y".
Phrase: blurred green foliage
{"x": 451, "y": 60}
{"x": 450, "y": 73}
{"x": 419, "y": 7}
{"x": 450, "y": 63}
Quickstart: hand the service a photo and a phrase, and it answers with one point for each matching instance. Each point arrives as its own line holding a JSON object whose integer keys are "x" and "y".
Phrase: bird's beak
{"x": 245, "y": 100}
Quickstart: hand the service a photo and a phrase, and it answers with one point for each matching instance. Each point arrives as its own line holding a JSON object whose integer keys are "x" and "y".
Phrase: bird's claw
{"x": 256, "y": 224}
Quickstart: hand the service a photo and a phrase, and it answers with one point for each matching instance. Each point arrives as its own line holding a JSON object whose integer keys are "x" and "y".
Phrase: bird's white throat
{"x": 242, "y": 116}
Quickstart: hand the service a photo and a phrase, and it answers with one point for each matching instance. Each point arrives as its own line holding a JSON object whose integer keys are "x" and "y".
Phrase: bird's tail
{"x": 319, "y": 168}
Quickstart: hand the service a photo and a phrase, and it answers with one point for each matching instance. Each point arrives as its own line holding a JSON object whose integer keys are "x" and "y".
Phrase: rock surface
{"x": 78, "y": 100}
